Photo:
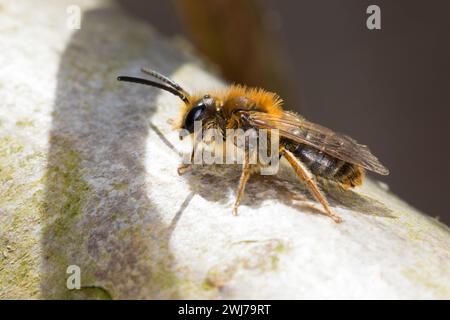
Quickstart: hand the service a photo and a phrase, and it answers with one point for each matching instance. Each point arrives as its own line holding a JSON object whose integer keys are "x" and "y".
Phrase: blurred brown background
{"x": 388, "y": 88}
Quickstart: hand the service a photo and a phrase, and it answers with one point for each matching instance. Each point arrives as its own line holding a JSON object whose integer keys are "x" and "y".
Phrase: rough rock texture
{"x": 88, "y": 178}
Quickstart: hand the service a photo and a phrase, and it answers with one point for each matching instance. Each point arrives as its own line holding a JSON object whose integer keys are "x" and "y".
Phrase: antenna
{"x": 165, "y": 79}
{"x": 172, "y": 90}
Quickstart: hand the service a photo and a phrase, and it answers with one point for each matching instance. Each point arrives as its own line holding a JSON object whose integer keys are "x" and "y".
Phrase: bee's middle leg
{"x": 245, "y": 175}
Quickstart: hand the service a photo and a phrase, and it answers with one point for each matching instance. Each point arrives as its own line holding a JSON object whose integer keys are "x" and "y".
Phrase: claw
{"x": 184, "y": 168}
{"x": 333, "y": 216}
{"x": 336, "y": 219}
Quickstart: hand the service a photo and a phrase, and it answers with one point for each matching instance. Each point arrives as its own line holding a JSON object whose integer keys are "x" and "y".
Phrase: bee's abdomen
{"x": 326, "y": 166}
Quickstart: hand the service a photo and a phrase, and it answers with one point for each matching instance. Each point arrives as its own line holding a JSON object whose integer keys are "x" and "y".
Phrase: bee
{"x": 311, "y": 149}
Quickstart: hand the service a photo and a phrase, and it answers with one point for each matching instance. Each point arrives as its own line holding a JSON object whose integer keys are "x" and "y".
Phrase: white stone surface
{"x": 85, "y": 179}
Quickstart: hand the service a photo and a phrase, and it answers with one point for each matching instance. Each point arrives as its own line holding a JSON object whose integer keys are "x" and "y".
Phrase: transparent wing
{"x": 296, "y": 128}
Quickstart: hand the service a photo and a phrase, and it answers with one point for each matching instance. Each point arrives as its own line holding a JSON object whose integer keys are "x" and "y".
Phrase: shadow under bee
{"x": 350, "y": 199}
{"x": 216, "y": 182}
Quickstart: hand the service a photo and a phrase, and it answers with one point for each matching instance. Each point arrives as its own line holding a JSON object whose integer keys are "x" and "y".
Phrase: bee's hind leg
{"x": 245, "y": 175}
{"x": 304, "y": 174}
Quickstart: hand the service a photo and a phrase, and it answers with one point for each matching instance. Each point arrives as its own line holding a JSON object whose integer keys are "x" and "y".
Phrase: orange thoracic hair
{"x": 258, "y": 99}
{"x": 237, "y": 97}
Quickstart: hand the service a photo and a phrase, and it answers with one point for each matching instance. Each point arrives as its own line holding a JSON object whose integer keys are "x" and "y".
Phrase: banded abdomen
{"x": 326, "y": 166}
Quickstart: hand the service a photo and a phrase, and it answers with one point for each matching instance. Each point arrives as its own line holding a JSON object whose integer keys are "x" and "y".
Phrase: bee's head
{"x": 202, "y": 110}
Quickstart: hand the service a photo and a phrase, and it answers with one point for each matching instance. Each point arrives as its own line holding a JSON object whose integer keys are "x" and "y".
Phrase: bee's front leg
{"x": 183, "y": 168}
{"x": 186, "y": 167}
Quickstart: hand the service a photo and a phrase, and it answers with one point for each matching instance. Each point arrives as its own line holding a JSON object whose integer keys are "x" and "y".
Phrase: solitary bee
{"x": 311, "y": 149}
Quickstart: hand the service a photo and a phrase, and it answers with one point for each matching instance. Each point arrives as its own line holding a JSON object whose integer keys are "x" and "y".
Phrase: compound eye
{"x": 194, "y": 115}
